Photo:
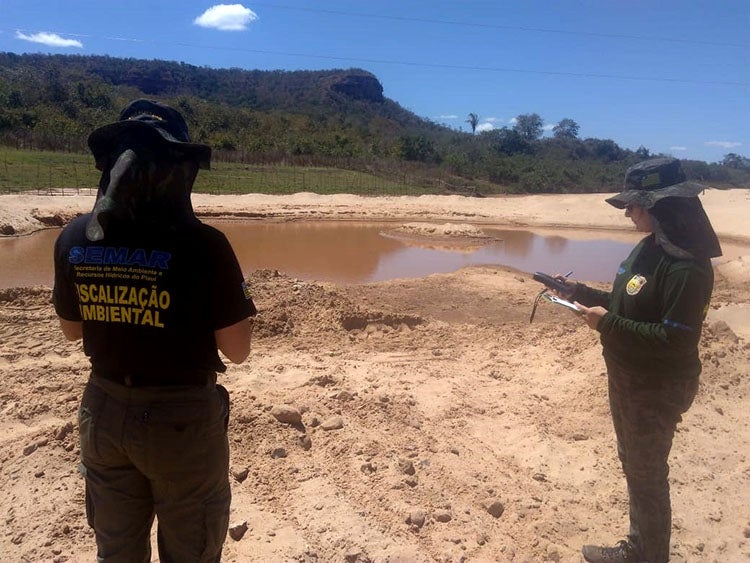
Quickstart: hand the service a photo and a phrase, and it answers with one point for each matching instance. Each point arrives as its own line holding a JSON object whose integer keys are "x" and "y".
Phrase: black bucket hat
{"x": 652, "y": 180}
{"x": 147, "y": 117}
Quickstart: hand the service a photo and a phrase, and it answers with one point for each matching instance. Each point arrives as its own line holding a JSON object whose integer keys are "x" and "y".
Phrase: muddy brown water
{"x": 353, "y": 252}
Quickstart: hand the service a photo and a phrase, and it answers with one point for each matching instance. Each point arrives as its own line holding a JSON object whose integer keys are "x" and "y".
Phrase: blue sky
{"x": 673, "y": 76}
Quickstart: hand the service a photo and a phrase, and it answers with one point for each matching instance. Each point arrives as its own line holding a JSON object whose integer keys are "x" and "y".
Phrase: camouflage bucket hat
{"x": 159, "y": 122}
{"x": 651, "y": 180}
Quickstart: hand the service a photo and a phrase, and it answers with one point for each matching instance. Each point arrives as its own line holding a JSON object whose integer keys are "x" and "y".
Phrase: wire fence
{"x": 75, "y": 174}
{"x": 46, "y": 172}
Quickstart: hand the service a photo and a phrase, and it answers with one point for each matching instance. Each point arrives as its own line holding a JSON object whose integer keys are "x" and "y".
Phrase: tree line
{"x": 334, "y": 118}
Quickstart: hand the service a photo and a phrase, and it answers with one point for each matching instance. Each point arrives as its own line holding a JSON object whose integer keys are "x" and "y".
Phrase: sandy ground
{"x": 436, "y": 423}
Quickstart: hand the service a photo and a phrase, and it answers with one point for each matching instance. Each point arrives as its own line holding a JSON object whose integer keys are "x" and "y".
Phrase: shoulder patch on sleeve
{"x": 635, "y": 284}
{"x": 246, "y": 290}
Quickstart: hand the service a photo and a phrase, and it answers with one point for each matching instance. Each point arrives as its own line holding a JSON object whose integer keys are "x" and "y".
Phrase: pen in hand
{"x": 568, "y": 291}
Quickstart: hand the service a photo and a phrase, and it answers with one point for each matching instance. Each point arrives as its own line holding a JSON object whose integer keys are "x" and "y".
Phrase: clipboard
{"x": 558, "y": 301}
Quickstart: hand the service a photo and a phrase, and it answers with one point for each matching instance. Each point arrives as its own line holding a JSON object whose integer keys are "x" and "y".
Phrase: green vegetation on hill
{"x": 307, "y": 127}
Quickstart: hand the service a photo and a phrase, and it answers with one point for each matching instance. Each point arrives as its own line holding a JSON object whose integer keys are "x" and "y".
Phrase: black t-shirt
{"x": 150, "y": 297}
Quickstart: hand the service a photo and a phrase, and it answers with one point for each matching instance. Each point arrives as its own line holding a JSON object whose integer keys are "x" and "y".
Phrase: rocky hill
{"x": 334, "y": 118}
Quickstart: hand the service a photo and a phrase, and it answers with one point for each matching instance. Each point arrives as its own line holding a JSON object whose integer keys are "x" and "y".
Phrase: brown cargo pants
{"x": 155, "y": 451}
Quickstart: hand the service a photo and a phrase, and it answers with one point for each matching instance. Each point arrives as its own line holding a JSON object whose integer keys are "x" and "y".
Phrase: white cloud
{"x": 678, "y": 148}
{"x": 50, "y": 39}
{"x": 724, "y": 144}
{"x": 513, "y": 121}
{"x": 548, "y": 127}
{"x": 226, "y": 17}
{"x": 490, "y": 119}
{"x": 449, "y": 116}
{"x": 486, "y": 126}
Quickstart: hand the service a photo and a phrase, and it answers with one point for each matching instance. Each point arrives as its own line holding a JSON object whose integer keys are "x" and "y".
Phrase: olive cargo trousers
{"x": 161, "y": 451}
{"x": 645, "y": 412}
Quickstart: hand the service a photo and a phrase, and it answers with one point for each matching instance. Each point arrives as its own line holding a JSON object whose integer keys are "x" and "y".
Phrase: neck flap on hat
{"x": 683, "y": 230}
{"x": 144, "y": 187}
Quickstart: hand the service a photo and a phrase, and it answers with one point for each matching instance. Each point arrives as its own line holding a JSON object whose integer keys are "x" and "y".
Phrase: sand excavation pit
{"x": 427, "y": 421}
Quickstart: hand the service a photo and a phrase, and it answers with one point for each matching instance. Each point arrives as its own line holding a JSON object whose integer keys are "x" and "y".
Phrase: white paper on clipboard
{"x": 554, "y": 299}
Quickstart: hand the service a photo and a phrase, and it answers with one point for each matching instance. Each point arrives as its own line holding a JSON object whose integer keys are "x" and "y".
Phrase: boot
{"x": 623, "y": 552}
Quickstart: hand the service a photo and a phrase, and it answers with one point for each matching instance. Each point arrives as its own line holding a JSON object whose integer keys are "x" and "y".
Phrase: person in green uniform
{"x": 650, "y": 325}
{"x": 155, "y": 294}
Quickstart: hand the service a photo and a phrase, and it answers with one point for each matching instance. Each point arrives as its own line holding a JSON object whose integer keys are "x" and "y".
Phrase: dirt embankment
{"x": 436, "y": 424}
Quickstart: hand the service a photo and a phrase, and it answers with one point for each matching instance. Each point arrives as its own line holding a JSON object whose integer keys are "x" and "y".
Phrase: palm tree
{"x": 473, "y": 121}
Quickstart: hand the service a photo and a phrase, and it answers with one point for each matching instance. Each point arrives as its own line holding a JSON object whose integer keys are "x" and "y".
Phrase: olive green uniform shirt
{"x": 655, "y": 311}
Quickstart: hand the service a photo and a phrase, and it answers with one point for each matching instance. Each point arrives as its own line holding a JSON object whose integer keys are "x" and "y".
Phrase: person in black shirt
{"x": 155, "y": 295}
{"x": 650, "y": 325}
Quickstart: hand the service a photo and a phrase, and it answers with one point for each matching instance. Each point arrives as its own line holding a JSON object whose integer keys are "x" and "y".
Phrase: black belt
{"x": 199, "y": 378}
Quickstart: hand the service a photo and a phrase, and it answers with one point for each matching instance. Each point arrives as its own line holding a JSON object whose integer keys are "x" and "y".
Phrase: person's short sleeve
{"x": 231, "y": 299}
{"x": 64, "y": 296}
